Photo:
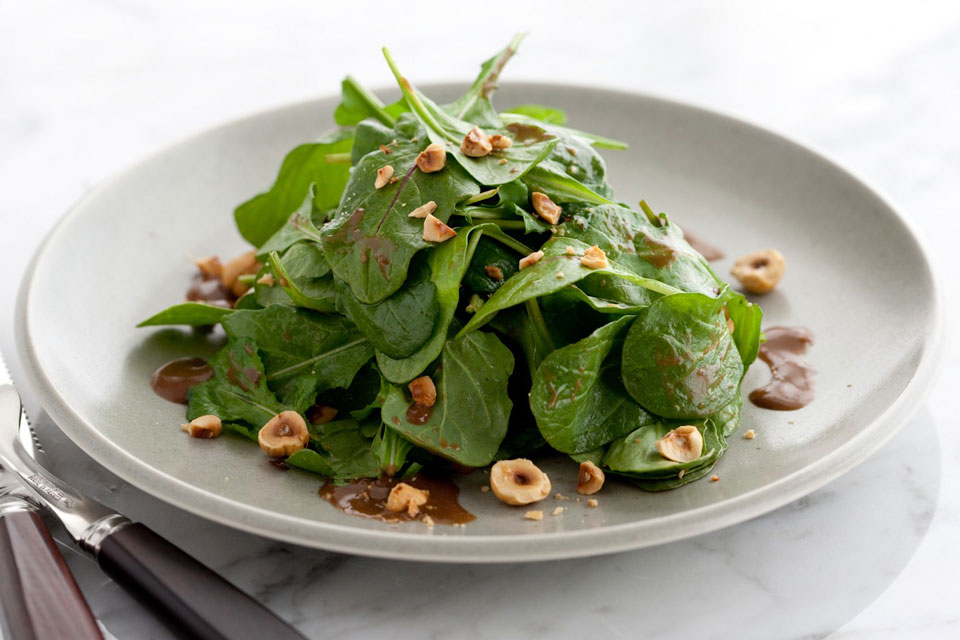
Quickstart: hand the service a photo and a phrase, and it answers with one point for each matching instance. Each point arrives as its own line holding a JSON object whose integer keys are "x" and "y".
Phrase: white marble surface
{"x": 87, "y": 87}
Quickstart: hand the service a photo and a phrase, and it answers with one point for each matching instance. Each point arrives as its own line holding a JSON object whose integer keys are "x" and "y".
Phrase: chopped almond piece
{"x": 545, "y": 207}
{"x": 423, "y": 390}
{"x": 533, "y": 258}
{"x": 384, "y": 174}
{"x": 534, "y": 515}
{"x": 594, "y": 258}
{"x": 494, "y": 272}
{"x": 500, "y": 142}
{"x": 476, "y": 144}
{"x": 423, "y": 210}
{"x": 436, "y": 231}
{"x": 208, "y": 426}
{"x": 432, "y": 159}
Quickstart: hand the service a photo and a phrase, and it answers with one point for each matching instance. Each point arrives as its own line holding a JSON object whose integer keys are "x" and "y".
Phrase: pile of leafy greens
{"x": 597, "y": 364}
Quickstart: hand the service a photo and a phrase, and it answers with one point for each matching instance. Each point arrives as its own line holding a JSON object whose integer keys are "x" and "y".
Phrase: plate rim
{"x": 489, "y": 548}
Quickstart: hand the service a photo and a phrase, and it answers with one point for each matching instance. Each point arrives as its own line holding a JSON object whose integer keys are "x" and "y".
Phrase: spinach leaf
{"x": 577, "y": 396}
{"x": 448, "y": 262}
{"x": 516, "y": 324}
{"x": 746, "y": 317}
{"x": 259, "y": 218}
{"x": 298, "y": 228}
{"x": 490, "y": 253}
{"x": 474, "y": 106}
{"x": 392, "y": 449}
{"x": 516, "y": 116}
{"x": 359, "y": 103}
{"x": 632, "y": 241}
{"x": 238, "y": 391}
{"x": 560, "y": 186}
{"x": 550, "y": 115}
{"x": 303, "y": 274}
{"x": 303, "y": 352}
{"x": 542, "y": 279}
{"x": 399, "y": 324}
{"x": 679, "y": 359}
{"x": 340, "y": 451}
{"x": 445, "y": 129}
{"x": 194, "y": 314}
{"x": 370, "y": 241}
{"x": 470, "y": 417}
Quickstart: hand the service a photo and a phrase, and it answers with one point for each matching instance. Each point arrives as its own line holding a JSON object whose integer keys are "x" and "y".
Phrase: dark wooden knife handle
{"x": 41, "y": 600}
{"x": 188, "y": 597}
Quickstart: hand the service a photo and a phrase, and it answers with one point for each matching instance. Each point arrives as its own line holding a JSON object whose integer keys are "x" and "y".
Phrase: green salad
{"x": 448, "y": 285}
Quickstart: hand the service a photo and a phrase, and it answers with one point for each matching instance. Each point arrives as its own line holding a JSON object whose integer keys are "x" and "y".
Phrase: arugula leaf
{"x": 371, "y": 240}
{"x": 399, "y": 324}
{"x": 194, "y": 314}
{"x": 238, "y": 391}
{"x": 358, "y": 103}
{"x": 303, "y": 352}
{"x": 442, "y": 128}
{"x": 470, "y": 417}
{"x": 303, "y": 274}
{"x": 577, "y": 396}
{"x": 632, "y": 241}
{"x": 541, "y": 279}
{"x": 474, "y": 106}
{"x": 550, "y": 115}
{"x": 679, "y": 359}
{"x": 448, "y": 263}
{"x": 260, "y": 217}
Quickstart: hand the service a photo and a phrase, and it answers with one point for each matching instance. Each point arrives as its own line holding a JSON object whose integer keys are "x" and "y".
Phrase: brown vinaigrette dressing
{"x": 792, "y": 384}
{"x": 702, "y": 247}
{"x": 367, "y": 498}
{"x": 172, "y": 380}
{"x": 418, "y": 413}
{"x": 211, "y": 291}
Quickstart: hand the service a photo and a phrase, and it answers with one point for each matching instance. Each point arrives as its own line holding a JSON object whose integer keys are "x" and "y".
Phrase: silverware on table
{"x": 191, "y": 599}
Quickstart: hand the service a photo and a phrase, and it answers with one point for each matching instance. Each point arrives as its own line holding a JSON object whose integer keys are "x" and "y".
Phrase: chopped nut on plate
{"x": 533, "y": 258}
{"x": 590, "y": 479}
{"x": 759, "y": 272}
{"x": 714, "y": 478}
{"x": 594, "y": 258}
{"x": 500, "y": 142}
{"x": 385, "y": 150}
{"x": 557, "y": 511}
{"x": 209, "y": 267}
{"x": 436, "y": 231}
{"x": 750, "y": 434}
{"x": 285, "y": 434}
{"x": 519, "y": 482}
{"x": 243, "y": 264}
{"x": 432, "y": 159}
{"x": 534, "y": 515}
{"x": 208, "y": 426}
{"x": 404, "y": 497}
{"x": 592, "y": 502}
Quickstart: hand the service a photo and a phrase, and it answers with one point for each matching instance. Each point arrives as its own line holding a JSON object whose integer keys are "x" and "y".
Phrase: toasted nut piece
{"x": 557, "y": 511}
{"x": 235, "y": 267}
{"x": 750, "y": 434}
{"x": 594, "y": 258}
{"x": 759, "y": 272}
{"x": 384, "y": 174}
{"x": 590, "y": 480}
{"x": 714, "y": 478}
{"x": 210, "y": 266}
{"x": 560, "y": 275}
{"x": 320, "y": 414}
{"x": 500, "y": 142}
{"x": 519, "y": 482}
{"x": 385, "y": 150}
{"x": 571, "y": 251}
{"x": 545, "y": 207}
{"x": 476, "y": 144}
{"x": 502, "y": 161}
{"x": 285, "y": 434}
{"x": 404, "y": 497}
{"x": 423, "y": 210}
{"x": 423, "y": 390}
{"x": 534, "y": 515}
{"x": 436, "y": 231}
{"x": 592, "y": 503}
{"x": 494, "y": 272}
{"x": 208, "y": 426}
{"x": 683, "y": 444}
{"x": 266, "y": 280}
{"x": 432, "y": 159}
{"x": 427, "y": 520}
{"x": 533, "y": 258}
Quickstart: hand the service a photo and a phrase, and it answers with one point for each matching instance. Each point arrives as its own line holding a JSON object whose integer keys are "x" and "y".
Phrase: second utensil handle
{"x": 190, "y": 598}
{"x": 41, "y": 600}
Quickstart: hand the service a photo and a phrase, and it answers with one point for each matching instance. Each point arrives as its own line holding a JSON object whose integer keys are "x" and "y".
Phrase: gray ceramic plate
{"x": 856, "y": 275}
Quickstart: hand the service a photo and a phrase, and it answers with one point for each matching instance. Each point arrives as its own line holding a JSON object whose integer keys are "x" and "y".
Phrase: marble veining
{"x": 89, "y": 87}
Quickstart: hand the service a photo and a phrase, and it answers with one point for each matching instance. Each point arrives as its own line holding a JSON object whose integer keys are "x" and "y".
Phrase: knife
{"x": 188, "y": 597}
{"x": 40, "y": 598}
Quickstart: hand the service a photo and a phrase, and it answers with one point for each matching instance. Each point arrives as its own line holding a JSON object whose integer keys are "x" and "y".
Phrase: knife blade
{"x": 191, "y": 599}
{"x": 39, "y": 595}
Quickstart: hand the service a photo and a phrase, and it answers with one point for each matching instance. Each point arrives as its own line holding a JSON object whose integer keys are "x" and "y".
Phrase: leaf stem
{"x": 414, "y": 100}
{"x": 372, "y": 101}
{"x": 538, "y": 324}
{"x": 483, "y": 195}
{"x": 337, "y": 158}
{"x": 509, "y": 241}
